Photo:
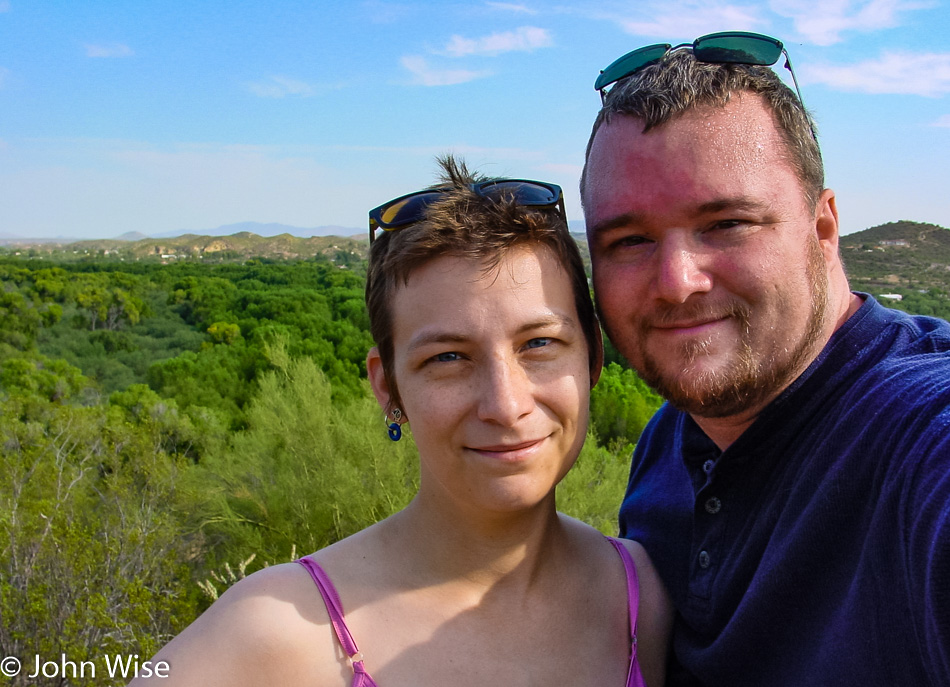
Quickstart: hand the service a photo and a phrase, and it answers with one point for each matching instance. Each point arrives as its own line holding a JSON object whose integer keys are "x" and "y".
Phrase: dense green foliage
{"x": 163, "y": 426}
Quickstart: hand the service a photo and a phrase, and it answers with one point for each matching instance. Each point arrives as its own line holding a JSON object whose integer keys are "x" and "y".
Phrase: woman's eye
{"x": 449, "y": 357}
{"x": 539, "y": 342}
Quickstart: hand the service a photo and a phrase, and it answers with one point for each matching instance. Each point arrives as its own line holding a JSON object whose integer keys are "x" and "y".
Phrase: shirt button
{"x": 708, "y": 466}
{"x": 704, "y": 559}
{"x": 713, "y": 505}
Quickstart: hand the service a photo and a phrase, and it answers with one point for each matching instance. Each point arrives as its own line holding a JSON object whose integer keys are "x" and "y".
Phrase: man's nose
{"x": 681, "y": 272}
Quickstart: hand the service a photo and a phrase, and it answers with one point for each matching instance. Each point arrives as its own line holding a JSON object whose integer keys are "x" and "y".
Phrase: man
{"x": 794, "y": 492}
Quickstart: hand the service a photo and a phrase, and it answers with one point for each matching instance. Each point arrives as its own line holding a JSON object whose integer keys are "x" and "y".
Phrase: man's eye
{"x": 629, "y": 241}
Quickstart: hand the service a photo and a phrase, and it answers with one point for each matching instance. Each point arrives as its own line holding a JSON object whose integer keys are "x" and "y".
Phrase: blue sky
{"x": 166, "y": 116}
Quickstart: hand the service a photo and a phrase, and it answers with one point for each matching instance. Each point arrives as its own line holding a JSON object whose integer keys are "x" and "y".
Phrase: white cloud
{"x": 108, "y": 50}
{"x": 943, "y": 121}
{"x": 511, "y": 7}
{"x": 824, "y": 26}
{"x": 685, "y": 19}
{"x": 524, "y": 39}
{"x": 925, "y": 74}
{"x": 281, "y": 87}
{"x": 428, "y": 76}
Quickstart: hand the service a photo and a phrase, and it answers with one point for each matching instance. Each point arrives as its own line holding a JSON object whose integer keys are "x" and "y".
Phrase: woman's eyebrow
{"x": 440, "y": 336}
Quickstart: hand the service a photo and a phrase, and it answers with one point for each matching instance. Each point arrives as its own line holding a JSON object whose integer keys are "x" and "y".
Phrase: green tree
{"x": 621, "y": 405}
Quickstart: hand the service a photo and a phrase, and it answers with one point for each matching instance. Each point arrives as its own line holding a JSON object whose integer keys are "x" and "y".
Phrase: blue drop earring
{"x": 395, "y": 430}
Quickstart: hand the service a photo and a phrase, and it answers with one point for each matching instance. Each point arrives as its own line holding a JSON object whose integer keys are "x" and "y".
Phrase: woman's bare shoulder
{"x": 270, "y": 628}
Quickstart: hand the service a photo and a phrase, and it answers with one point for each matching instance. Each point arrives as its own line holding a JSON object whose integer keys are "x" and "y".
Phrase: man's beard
{"x": 751, "y": 378}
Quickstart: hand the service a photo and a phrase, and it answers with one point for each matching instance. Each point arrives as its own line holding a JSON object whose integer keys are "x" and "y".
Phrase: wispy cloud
{"x": 899, "y": 73}
{"x": 825, "y": 27}
{"x": 511, "y": 7}
{"x": 108, "y": 50}
{"x": 424, "y": 75}
{"x": 386, "y": 12}
{"x": 685, "y": 19}
{"x": 280, "y": 87}
{"x": 943, "y": 121}
{"x": 523, "y": 39}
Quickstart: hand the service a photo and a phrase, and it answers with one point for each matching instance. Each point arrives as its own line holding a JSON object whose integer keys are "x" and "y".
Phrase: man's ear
{"x": 826, "y": 225}
{"x": 597, "y": 365}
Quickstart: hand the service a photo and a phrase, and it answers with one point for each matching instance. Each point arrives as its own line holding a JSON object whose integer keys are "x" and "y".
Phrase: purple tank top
{"x": 363, "y": 679}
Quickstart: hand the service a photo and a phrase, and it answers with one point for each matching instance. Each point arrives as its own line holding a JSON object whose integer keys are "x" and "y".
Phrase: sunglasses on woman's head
{"x": 411, "y": 208}
{"x": 725, "y": 47}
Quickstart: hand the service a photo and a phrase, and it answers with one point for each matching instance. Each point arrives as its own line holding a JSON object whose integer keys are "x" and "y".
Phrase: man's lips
{"x": 689, "y": 326}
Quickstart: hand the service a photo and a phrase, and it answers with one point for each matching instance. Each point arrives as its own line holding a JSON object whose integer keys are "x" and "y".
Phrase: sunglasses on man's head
{"x": 725, "y": 47}
{"x": 411, "y": 207}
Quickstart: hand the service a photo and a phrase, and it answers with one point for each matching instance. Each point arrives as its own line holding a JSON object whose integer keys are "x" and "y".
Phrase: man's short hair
{"x": 465, "y": 224}
{"x": 679, "y": 83}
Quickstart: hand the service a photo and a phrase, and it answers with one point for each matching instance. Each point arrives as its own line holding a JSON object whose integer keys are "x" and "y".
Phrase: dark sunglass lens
{"x": 406, "y": 210}
{"x": 524, "y": 193}
{"x": 630, "y": 63}
{"x": 737, "y": 50}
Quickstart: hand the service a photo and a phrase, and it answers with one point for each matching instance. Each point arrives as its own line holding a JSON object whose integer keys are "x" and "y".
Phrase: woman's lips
{"x": 509, "y": 452}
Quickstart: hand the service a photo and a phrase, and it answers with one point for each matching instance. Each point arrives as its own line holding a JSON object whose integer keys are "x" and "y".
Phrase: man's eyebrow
{"x": 632, "y": 219}
{"x": 738, "y": 203}
{"x": 625, "y": 220}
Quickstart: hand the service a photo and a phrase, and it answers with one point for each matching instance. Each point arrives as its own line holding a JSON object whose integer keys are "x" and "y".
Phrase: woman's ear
{"x": 377, "y": 379}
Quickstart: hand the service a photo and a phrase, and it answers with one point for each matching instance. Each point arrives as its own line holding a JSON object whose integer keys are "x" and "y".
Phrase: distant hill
{"x": 266, "y": 229}
{"x": 912, "y": 255}
{"x": 131, "y": 236}
{"x": 239, "y": 246}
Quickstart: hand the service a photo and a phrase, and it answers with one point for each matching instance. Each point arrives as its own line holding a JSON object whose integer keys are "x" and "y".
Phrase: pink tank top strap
{"x": 634, "y": 677}
{"x": 335, "y": 610}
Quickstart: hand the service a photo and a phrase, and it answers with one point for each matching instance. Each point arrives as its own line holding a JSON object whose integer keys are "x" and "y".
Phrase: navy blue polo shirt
{"x": 815, "y": 550}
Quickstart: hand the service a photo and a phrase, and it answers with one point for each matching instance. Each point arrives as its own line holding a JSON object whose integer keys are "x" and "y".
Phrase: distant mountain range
{"x": 259, "y": 228}
{"x": 898, "y": 255}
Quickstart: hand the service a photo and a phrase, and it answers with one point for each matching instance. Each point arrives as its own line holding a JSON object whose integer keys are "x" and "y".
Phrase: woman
{"x": 487, "y": 346}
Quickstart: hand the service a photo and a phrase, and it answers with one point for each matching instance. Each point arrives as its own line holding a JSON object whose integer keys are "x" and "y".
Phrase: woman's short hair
{"x": 468, "y": 225}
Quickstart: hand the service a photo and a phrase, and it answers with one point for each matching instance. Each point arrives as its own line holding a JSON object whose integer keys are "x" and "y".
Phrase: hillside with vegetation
{"x": 170, "y": 425}
{"x": 188, "y": 247}
{"x": 904, "y": 264}
{"x": 176, "y": 413}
